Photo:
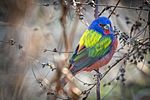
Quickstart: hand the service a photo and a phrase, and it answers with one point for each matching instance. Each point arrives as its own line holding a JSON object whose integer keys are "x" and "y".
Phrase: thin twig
{"x": 57, "y": 51}
{"x": 113, "y": 66}
{"x": 124, "y": 7}
{"x": 110, "y": 91}
{"x": 114, "y": 8}
{"x": 118, "y": 7}
{"x": 84, "y": 83}
{"x": 52, "y": 92}
{"x": 96, "y": 10}
{"x": 148, "y": 22}
{"x": 98, "y": 93}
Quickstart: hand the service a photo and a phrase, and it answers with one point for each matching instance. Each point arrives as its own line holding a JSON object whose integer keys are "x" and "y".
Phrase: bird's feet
{"x": 98, "y": 74}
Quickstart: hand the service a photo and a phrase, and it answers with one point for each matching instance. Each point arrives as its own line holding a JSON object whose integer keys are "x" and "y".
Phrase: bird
{"x": 96, "y": 47}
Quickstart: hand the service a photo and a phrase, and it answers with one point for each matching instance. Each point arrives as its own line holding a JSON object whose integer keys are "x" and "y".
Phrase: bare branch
{"x": 114, "y": 8}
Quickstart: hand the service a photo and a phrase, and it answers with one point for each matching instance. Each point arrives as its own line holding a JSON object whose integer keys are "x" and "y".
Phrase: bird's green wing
{"x": 88, "y": 40}
{"x": 92, "y": 46}
{"x": 100, "y": 48}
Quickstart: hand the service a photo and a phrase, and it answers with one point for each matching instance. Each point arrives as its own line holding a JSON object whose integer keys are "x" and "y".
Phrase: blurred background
{"x": 32, "y": 39}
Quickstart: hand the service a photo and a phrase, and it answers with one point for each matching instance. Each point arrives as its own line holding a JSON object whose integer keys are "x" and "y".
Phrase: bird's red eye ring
{"x": 101, "y": 25}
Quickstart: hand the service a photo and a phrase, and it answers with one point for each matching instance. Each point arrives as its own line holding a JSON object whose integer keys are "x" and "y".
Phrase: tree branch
{"x": 98, "y": 76}
{"x": 114, "y": 8}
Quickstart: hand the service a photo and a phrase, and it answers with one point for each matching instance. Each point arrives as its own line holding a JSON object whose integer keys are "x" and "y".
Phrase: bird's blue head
{"x": 102, "y": 25}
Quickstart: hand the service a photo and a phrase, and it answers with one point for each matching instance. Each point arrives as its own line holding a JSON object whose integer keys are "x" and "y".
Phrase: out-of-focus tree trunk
{"x": 12, "y": 68}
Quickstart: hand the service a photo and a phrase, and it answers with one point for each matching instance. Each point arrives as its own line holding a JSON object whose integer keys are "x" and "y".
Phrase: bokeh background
{"x": 35, "y": 25}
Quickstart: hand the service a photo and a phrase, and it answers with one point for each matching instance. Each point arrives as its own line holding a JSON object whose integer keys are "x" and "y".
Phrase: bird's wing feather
{"x": 92, "y": 46}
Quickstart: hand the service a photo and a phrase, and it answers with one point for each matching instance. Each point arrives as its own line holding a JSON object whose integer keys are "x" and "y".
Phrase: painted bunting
{"x": 95, "y": 48}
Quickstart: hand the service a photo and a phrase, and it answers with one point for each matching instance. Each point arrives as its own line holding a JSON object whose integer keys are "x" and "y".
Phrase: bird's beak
{"x": 106, "y": 32}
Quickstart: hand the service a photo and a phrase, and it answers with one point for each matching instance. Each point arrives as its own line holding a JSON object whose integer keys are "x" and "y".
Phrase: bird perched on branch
{"x": 96, "y": 47}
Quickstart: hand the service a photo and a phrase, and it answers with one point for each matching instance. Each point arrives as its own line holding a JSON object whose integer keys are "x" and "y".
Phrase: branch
{"x": 122, "y": 7}
{"x": 149, "y": 24}
{"x": 110, "y": 67}
{"x": 98, "y": 93}
{"x": 11, "y": 42}
{"x": 114, "y": 8}
{"x": 106, "y": 8}
{"x": 89, "y": 3}
{"x": 52, "y": 92}
{"x": 96, "y": 10}
{"x": 56, "y": 51}
{"x": 98, "y": 76}
{"x": 63, "y": 23}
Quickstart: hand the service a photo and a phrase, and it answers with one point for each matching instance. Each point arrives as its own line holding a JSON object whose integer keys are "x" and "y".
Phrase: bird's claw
{"x": 98, "y": 74}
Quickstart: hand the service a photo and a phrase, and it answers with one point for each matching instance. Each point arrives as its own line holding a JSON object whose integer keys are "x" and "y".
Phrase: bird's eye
{"x": 101, "y": 25}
